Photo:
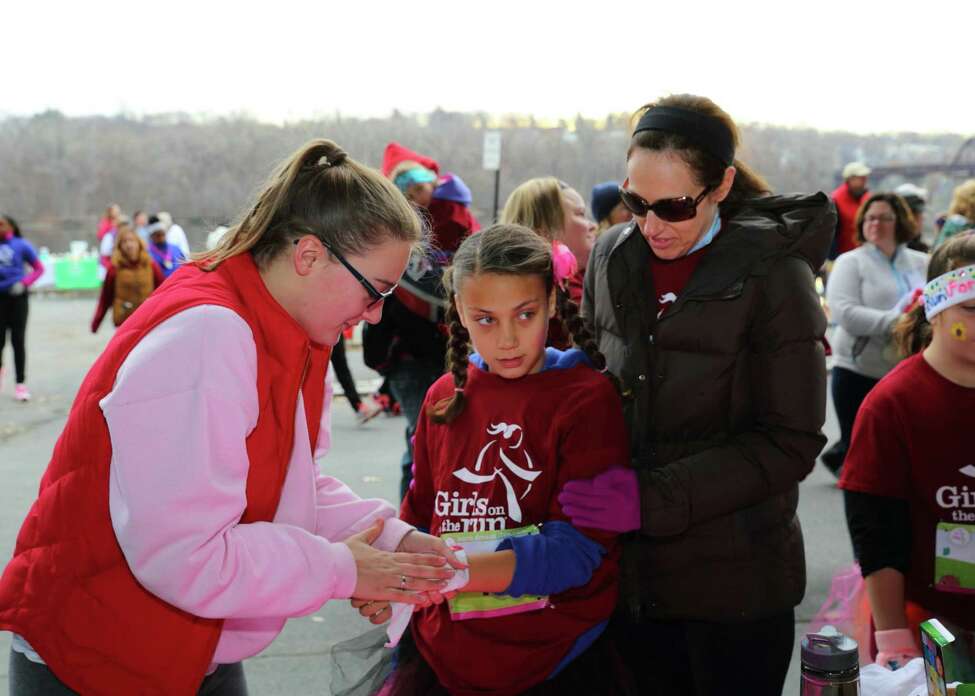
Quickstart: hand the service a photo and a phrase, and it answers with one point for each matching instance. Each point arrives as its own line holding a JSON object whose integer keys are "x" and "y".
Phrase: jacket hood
{"x": 795, "y": 225}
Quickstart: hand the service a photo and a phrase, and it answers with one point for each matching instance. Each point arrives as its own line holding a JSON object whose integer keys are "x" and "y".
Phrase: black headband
{"x": 710, "y": 133}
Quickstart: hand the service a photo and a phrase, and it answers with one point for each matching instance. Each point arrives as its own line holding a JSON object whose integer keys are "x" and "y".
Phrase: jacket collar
{"x": 753, "y": 236}
{"x": 273, "y": 318}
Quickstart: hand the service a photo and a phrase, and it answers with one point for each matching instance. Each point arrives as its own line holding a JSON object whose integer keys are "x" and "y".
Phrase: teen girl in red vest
{"x": 130, "y": 279}
{"x": 497, "y": 438}
{"x": 156, "y": 559}
{"x": 909, "y": 476}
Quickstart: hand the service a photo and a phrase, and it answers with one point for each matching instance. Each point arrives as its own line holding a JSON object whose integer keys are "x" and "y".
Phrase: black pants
{"x": 13, "y": 318}
{"x": 31, "y": 679}
{"x": 344, "y": 375}
{"x": 848, "y": 389}
{"x": 701, "y": 658}
{"x": 409, "y": 381}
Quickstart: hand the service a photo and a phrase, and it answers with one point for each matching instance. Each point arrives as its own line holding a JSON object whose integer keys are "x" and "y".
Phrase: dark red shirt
{"x": 913, "y": 440}
{"x": 670, "y": 277}
{"x": 560, "y": 424}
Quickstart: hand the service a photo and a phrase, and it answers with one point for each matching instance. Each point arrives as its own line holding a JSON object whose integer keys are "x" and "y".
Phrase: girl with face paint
{"x": 910, "y": 469}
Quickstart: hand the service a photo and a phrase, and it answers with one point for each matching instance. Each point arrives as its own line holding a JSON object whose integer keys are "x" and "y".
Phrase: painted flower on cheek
{"x": 959, "y": 332}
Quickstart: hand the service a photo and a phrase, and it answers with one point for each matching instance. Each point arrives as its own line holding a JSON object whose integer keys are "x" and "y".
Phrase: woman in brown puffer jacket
{"x": 704, "y": 307}
{"x": 130, "y": 279}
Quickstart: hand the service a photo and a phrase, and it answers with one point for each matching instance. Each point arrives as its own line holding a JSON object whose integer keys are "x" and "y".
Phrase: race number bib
{"x": 483, "y": 605}
{"x": 954, "y": 561}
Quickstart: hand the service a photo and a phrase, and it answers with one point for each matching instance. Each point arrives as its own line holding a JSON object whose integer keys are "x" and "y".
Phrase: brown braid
{"x": 506, "y": 250}
{"x": 576, "y": 327}
{"x": 458, "y": 351}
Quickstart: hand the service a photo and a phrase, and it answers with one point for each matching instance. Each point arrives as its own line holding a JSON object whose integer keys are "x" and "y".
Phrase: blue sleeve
{"x": 555, "y": 560}
{"x": 30, "y": 254}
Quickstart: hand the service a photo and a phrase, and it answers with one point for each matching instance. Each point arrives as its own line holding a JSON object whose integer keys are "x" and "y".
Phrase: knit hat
{"x": 451, "y": 187}
{"x": 396, "y": 153}
{"x": 915, "y": 196}
{"x": 605, "y": 197}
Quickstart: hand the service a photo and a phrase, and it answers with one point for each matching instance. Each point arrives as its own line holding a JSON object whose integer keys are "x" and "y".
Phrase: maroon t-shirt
{"x": 670, "y": 277}
{"x": 913, "y": 439}
{"x": 501, "y": 465}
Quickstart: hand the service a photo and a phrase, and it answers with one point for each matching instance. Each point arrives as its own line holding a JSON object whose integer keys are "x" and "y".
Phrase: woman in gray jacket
{"x": 868, "y": 290}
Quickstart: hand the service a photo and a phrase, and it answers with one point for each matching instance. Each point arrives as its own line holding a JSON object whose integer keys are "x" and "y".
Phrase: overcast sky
{"x": 861, "y": 66}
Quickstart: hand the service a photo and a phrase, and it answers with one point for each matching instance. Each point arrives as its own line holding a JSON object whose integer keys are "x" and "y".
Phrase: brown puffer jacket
{"x": 725, "y": 398}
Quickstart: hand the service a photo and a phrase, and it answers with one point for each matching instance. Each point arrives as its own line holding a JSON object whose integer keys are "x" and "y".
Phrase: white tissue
{"x": 402, "y": 612}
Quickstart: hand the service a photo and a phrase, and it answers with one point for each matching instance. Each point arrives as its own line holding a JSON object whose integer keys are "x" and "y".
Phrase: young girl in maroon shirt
{"x": 909, "y": 476}
{"x": 499, "y": 436}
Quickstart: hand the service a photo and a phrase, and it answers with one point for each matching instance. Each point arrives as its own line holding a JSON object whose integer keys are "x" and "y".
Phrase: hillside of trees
{"x": 58, "y": 173}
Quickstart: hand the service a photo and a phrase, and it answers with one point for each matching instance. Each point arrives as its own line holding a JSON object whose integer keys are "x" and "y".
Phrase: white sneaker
{"x": 21, "y": 393}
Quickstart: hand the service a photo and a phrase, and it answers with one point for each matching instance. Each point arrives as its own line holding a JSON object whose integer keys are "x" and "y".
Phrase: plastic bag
{"x": 906, "y": 681}
{"x": 360, "y": 666}
{"x": 846, "y": 608}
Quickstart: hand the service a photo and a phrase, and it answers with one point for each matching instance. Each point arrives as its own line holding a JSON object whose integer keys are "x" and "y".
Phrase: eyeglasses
{"x": 879, "y": 218}
{"x": 669, "y": 209}
{"x": 376, "y": 296}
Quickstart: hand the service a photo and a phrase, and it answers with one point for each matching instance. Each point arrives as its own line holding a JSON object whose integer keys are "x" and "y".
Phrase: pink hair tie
{"x": 459, "y": 390}
{"x": 564, "y": 264}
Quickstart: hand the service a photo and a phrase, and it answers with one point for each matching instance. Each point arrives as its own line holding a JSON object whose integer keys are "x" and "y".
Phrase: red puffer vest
{"x": 68, "y": 590}
{"x": 846, "y": 208}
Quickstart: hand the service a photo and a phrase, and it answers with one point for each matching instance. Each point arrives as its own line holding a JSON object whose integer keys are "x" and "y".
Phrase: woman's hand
{"x": 395, "y": 577}
{"x": 416, "y": 541}
{"x": 377, "y": 611}
{"x": 610, "y": 501}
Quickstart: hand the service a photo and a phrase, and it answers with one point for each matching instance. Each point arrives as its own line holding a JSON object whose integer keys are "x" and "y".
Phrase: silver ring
{"x": 402, "y": 582}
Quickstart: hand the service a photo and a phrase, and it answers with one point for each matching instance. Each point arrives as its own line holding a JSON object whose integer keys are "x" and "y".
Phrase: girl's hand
{"x": 376, "y": 611}
{"x": 895, "y": 648}
{"x": 395, "y": 577}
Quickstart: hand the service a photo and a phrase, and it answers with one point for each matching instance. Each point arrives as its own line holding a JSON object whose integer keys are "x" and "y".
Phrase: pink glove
{"x": 895, "y": 648}
{"x": 611, "y": 501}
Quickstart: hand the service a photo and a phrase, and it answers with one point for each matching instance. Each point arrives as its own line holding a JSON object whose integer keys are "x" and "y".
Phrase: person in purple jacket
{"x": 167, "y": 256}
{"x": 16, "y": 255}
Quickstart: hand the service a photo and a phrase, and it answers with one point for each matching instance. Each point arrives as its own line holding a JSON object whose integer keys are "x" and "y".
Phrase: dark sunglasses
{"x": 374, "y": 294}
{"x": 669, "y": 209}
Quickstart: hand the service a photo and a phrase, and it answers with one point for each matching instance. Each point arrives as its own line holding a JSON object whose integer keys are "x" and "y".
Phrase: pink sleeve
{"x": 37, "y": 272}
{"x": 184, "y": 401}
{"x": 340, "y": 512}
{"x": 324, "y": 443}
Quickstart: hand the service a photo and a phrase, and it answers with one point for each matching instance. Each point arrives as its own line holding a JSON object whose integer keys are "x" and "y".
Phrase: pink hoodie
{"x": 183, "y": 404}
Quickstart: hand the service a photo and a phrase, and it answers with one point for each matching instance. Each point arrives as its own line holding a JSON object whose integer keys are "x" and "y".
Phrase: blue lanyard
{"x": 903, "y": 282}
